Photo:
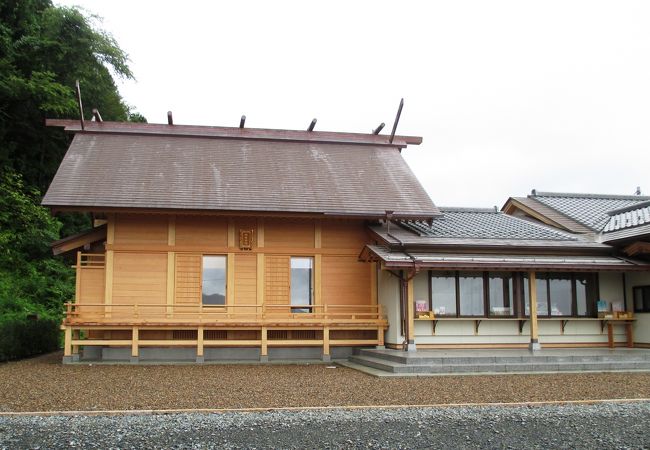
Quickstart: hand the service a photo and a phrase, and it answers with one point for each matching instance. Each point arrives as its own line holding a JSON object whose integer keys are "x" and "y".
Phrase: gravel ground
{"x": 44, "y": 384}
{"x": 608, "y": 425}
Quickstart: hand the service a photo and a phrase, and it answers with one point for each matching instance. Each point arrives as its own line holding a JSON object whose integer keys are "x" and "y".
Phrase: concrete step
{"x": 423, "y": 358}
{"x": 480, "y": 366}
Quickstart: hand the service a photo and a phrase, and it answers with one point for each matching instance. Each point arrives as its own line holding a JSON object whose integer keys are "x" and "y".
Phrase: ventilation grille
{"x": 215, "y": 335}
{"x": 184, "y": 335}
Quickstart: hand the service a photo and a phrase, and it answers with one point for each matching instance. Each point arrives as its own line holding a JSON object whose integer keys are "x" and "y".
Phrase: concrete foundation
{"x": 188, "y": 355}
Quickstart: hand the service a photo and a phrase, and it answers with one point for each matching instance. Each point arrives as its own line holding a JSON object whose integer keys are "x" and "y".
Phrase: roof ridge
{"x": 641, "y": 205}
{"x": 586, "y": 195}
{"x": 467, "y": 209}
{"x": 220, "y": 132}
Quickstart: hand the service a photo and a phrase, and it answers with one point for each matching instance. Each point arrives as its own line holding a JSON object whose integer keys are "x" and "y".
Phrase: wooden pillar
{"x": 230, "y": 283}
{"x": 373, "y": 283}
{"x": 326, "y": 344}
{"x": 318, "y": 293}
{"x": 77, "y": 290}
{"x": 171, "y": 282}
{"x": 199, "y": 345}
{"x": 75, "y": 336}
{"x": 264, "y": 351}
{"x": 67, "y": 342}
{"x": 532, "y": 295}
{"x": 135, "y": 340}
{"x": 108, "y": 265}
{"x": 410, "y": 319}
{"x": 260, "y": 282}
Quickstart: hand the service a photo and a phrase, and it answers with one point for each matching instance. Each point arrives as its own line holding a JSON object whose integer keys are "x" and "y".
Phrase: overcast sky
{"x": 508, "y": 96}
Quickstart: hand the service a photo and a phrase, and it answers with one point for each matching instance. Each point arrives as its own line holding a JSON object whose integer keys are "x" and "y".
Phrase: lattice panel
{"x": 188, "y": 279}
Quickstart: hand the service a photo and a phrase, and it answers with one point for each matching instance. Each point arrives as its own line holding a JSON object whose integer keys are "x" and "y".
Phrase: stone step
{"x": 420, "y": 359}
{"x": 498, "y": 367}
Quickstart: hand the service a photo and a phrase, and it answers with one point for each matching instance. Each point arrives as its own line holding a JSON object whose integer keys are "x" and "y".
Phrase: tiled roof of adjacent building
{"x": 590, "y": 210}
{"x": 112, "y": 165}
{"x": 474, "y": 227}
{"x": 629, "y": 217}
{"x": 477, "y": 223}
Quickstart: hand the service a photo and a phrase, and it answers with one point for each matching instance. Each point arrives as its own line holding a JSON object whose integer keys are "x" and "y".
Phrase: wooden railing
{"x": 204, "y": 314}
{"x": 90, "y": 260}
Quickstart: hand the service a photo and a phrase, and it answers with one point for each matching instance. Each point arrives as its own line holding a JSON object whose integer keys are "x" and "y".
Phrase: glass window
{"x": 470, "y": 286}
{"x": 213, "y": 286}
{"x": 501, "y": 294}
{"x": 560, "y": 294}
{"x": 443, "y": 293}
{"x": 542, "y": 295}
{"x": 301, "y": 283}
{"x": 581, "y": 295}
{"x": 641, "y": 296}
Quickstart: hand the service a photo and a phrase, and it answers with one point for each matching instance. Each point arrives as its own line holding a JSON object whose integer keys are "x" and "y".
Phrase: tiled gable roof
{"x": 145, "y": 167}
{"x": 629, "y": 217}
{"x": 472, "y": 223}
{"x": 590, "y": 210}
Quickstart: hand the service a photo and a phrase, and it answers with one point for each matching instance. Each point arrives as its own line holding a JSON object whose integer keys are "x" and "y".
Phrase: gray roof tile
{"x": 485, "y": 224}
{"x": 590, "y": 210}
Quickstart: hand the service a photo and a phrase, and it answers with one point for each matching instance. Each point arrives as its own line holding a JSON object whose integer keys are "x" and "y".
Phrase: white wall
{"x": 642, "y": 324}
{"x": 388, "y": 297}
{"x": 611, "y": 287}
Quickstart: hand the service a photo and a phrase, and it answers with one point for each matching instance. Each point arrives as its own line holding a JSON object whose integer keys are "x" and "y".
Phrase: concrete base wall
{"x": 179, "y": 354}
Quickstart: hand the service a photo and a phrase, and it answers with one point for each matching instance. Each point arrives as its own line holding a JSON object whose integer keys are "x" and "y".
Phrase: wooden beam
{"x": 96, "y": 115}
{"x": 532, "y": 295}
{"x": 135, "y": 338}
{"x": 318, "y": 234}
{"x": 373, "y": 283}
{"x": 67, "y": 341}
{"x": 230, "y": 283}
{"x": 77, "y": 288}
{"x": 260, "y": 233}
{"x": 231, "y": 233}
{"x": 318, "y": 277}
{"x": 171, "y": 231}
{"x": 106, "y": 127}
{"x": 399, "y": 113}
{"x": 108, "y": 282}
{"x": 326, "y": 341}
{"x": 171, "y": 282}
{"x": 260, "y": 279}
{"x": 264, "y": 351}
{"x": 80, "y": 105}
{"x": 199, "y": 342}
{"x": 410, "y": 311}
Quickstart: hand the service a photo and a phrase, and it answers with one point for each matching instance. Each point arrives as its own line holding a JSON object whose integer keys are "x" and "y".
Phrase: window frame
{"x": 225, "y": 283}
{"x": 309, "y": 308}
{"x": 517, "y": 297}
{"x": 589, "y": 310}
{"x": 644, "y": 301}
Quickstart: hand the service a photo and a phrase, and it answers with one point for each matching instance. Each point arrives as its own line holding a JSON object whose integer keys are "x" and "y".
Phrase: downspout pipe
{"x": 403, "y": 281}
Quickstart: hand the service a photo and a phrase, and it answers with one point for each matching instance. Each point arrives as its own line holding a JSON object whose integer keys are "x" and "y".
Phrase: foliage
{"x": 31, "y": 280}
{"x": 23, "y": 337}
{"x": 44, "y": 49}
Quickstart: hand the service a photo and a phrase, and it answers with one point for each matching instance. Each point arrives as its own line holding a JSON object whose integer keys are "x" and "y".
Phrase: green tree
{"x": 31, "y": 280}
{"x": 44, "y": 49}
